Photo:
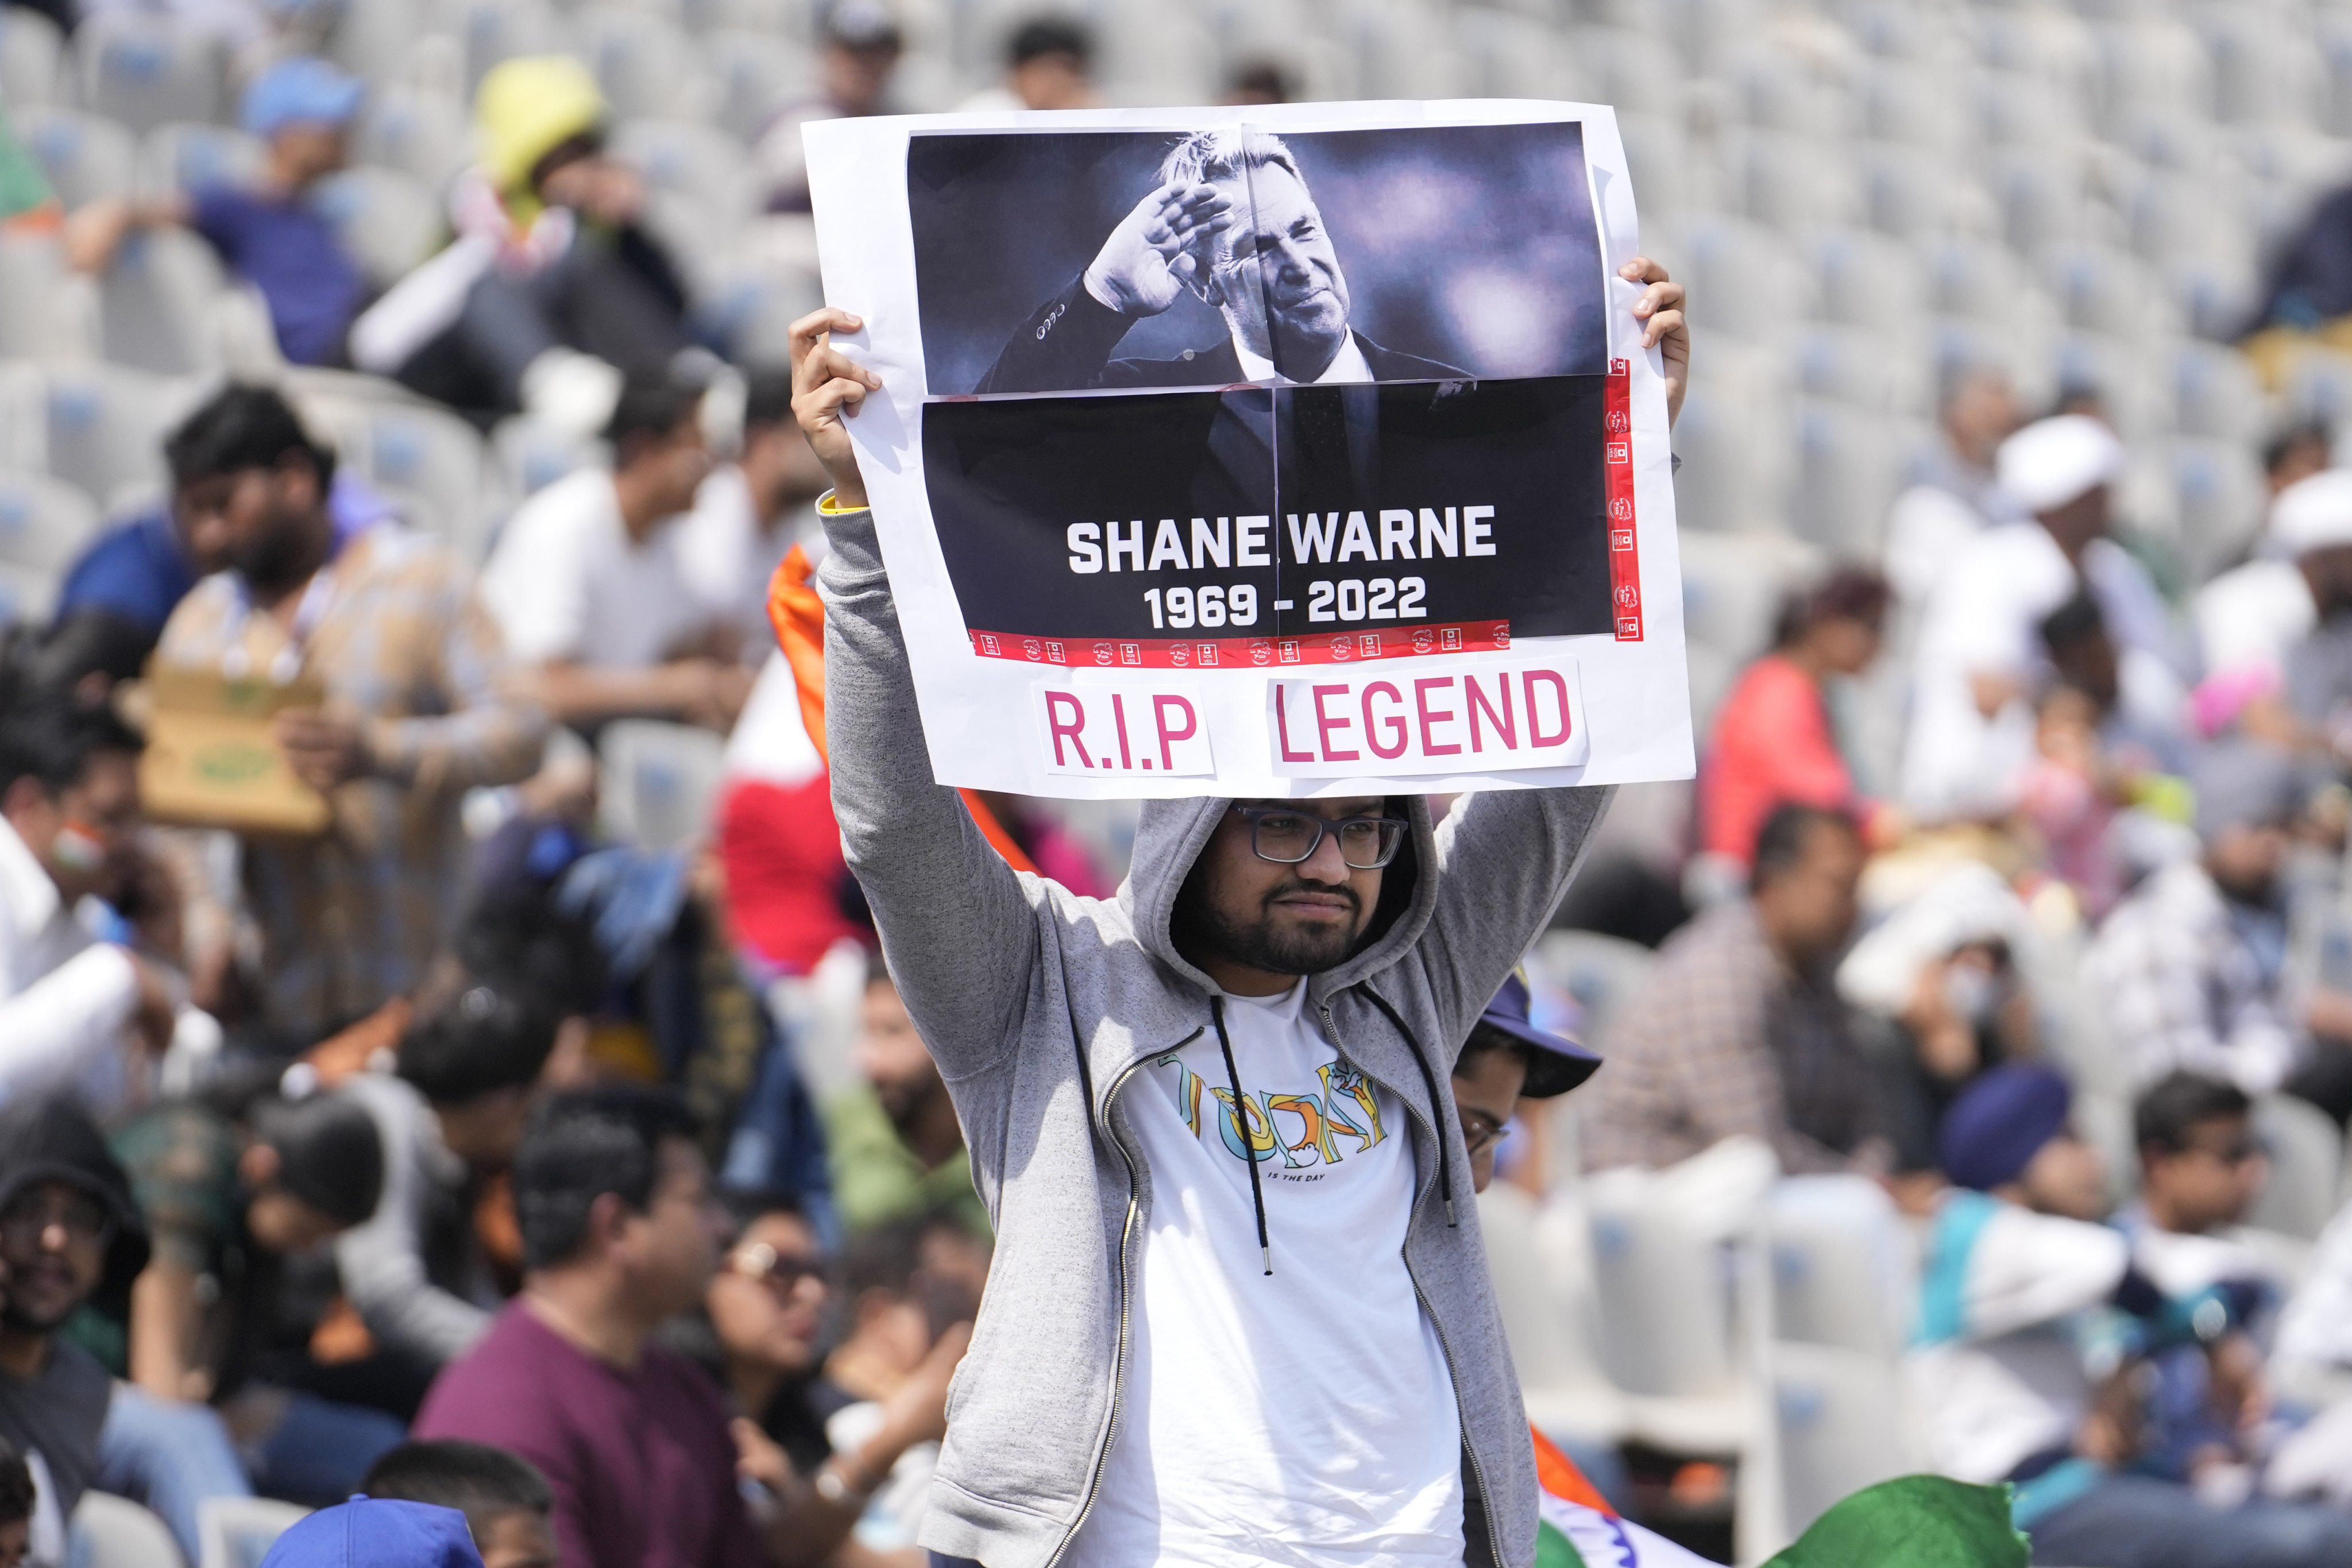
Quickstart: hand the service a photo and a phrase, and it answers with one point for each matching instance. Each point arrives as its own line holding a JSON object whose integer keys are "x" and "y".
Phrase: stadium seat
{"x": 143, "y": 71}
{"x": 39, "y": 316}
{"x": 1598, "y": 970}
{"x": 414, "y": 446}
{"x": 1737, "y": 438}
{"x": 1913, "y": 105}
{"x": 1745, "y": 280}
{"x": 421, "y": 134}
{"x": 2216, "y": 394}
{"x": 2307, "y": 1156}
{"x": 497, "y": 30}
{"x": 238, "y": 1532}
{"x": 1775, "y": 90}
{"x": 116, "y": 1532}
{"x": 1793, "y": 183}
{"x": 2101, "y": 290}
{"x": 32, "y": 58}
{"x": 28, "y": 597}
{"x": 183, "y": 159}
{"x": 528, "y": 456}
{"x": 657, "y": 782}
{"x": 2041, "y": 195}
{"x": 105, "y": 425}
{"x": 1915, "y": 194}
{"x": 1637, "y": 72}
{"x": 1544, "y": 1292}
{"x": 85, "y": 157}
{"x": 1851, "y": 464}
{"x": 1881, "y": 370}
{"x": 2219, "y": 491}
{"x": 751, "y": 304}
{"x": 1658, "y": 154}
{"x": 44, "y": 522}
{"x": 154, "y": 303}
{"x": 387, "y": 220}
{"x": 700, "y": 189}
{"x": 1867, "y": 280}
{"x": 1515, "y": 57}
{"x": 1840, "y": 1421}
{"x": 2151, "y": 62}
{"x": 2263, "y": 73}
{"x": 793, "y": 19}
{"x": 648, "y": 66}
{"x": 1843, "y": 1265}
{"x": 758, "y": 74}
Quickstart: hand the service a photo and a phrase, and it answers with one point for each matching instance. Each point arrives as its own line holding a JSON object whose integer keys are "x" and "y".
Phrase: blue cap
{"x": 300, "y": 91}
{"x": 1556, "y": 1064}
{"x": 376, "y": 1533}
{"x": 2001, "y": 1121}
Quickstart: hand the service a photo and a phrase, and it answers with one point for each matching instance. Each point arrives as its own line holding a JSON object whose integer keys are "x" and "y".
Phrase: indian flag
{"x": 1579, "y": 1529}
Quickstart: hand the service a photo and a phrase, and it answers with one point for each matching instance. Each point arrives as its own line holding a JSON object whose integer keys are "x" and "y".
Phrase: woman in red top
{"x": 1773, "y": 743}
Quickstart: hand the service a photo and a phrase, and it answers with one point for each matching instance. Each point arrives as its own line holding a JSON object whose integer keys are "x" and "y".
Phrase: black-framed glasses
{"x": 1287, "y": 836}
{"x": 82, "y": 1217}
{"x": 1480, "y": 1134}
{"x": 763, "y": 1264}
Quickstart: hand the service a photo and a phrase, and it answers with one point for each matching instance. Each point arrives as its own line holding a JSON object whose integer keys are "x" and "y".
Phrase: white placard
{"x": 1191, "y": 418}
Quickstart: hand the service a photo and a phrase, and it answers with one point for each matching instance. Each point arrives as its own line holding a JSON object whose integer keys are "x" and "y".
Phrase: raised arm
{"x": 956, "y": 921}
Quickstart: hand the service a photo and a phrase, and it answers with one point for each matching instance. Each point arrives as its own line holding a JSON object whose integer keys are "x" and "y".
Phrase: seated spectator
{"x": 860, "y": 50}
{"x": 767, "y": 1306}
{"x": 227, "y": 1202}
{"x": 370, "y": 1533}
{"x": 1049, "y": 64}
{"x": 419, "y": 709}
{"x": 2190, "y": 971}
{"x": 2012, "y": 1386}
{"x": 68, "y": 1231}
{"x": 505, "y": 1501}
{"x": 452, "y": 1115}
{"x": 620, "y": 1232}
{"x": 74, "y": 1009}
{"x": 1939, "y": 977}
{"x": 1737, "y": 1027}
{"x": 897, "y": 1151}
{"x": 748, "y": 512}
{"x": 16, "y": 1499}
{"x": 554, "y": 294}
{"x": 588, "y": 585}
{"x": 2250, "y": 618}
{"x": 2201, "y": 1168}
{"x": 1774, "y": 743}
{"x": 270, "y": 234}
{"x": 1958, "y": 496}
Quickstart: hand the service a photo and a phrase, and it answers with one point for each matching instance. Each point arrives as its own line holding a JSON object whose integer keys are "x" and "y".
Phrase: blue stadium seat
{"x": 143, "y": 71}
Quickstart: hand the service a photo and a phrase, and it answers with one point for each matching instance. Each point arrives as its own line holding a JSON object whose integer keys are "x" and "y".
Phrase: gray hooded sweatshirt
{"x": 1039, "y": 1006}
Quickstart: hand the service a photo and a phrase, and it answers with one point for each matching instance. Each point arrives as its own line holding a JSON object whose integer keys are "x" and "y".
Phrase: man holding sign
{"x": 1239, "y": 1312}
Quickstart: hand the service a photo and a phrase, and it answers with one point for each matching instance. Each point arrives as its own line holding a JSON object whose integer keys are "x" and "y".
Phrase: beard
{"x": 277, "y": 558}
{"x": 1265, "y": 941}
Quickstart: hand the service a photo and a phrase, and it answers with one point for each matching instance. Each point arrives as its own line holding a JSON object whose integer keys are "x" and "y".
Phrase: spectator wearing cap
{"x": 1774, "y": 740}
{"x": 227, "y": 1201}
{"x": 376, "y": 1533}
{"x": 1049, "y": 64}
{"x": 861, "y": 45}
{"x": 270, "y": 233}
{"x": 590, "y": 587}
{"x": 1978, "y": 656}
{"x": 2190, "y": 971}
{"x": 554, "y": 294}
{"x": 74, "y": 1011}
{"x": 2011, "y": 1384}
{"x": 1508, "y": 1059}
{"x": 420, "y": 704}
{"x": 2256, "y": 620}
{"x": 1739, "y": 1029}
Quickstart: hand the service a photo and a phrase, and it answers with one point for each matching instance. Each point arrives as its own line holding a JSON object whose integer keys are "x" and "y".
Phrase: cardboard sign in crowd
{"x": 1267, "y": 452}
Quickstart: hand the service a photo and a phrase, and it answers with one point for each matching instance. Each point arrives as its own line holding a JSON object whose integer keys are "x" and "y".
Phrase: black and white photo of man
{"x": 1233, "y": 221}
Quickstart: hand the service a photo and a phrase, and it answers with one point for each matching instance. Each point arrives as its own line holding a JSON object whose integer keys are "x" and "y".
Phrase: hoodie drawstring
{"x": 1241, "y": 1121}
{"x": 1436, "y": 1105}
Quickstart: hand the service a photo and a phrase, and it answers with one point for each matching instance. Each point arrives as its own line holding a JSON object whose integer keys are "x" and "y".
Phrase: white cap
{"x": 2053, "y": 461}
{"x": 1968, "y": 904}
{"x": 2314, "y": 513}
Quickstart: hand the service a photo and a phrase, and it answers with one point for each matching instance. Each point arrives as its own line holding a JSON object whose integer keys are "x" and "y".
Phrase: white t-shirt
{"x": 2251, "y": 616}
{"x": 567, "y": 583}
{"x": 727, "y": 557}
{"x": 1304, "y": 1418}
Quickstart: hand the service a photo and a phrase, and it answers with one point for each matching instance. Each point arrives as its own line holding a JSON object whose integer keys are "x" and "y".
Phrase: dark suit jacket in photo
{"x": 1067, "y": 346}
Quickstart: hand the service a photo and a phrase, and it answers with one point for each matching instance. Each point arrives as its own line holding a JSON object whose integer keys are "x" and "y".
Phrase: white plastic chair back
{"x": 1843, "y": 1267}
{"x": 114, "y": 1532}
{"x": 658, "y": 782}
{"x": 2306, "y": 1154}
{"x": 238, "y": 1532}
{"x": 1839, "y": 1417}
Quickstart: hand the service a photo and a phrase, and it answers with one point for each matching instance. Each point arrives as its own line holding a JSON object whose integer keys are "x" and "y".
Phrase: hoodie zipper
{"x": 1126, "y": 1239}
{"x": 1445, "y": 1346}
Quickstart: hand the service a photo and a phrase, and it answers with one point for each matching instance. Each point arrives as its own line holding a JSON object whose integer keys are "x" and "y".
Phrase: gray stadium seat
{"x": 497, "y": 30}
{"x": 238, "y": 1531}
{"x": 1865, "y": 280}
{"x": 2219, "y": 490}
{"x": 424, "y": 450}
{"x": 648, "y": 66}
{"x": 44, "y": 522}
{"x": 1865, "y": 368}
{"x": 780, "y": 18}
{"x": 143, "y": 71}
{"x": 2306, "y": 1154}
{"x": 185, "y": 158}
{"x": 2151, "y": 62}
{"x": 530, "y": 457}
{"x": 105, "y": 423}
{"x": 387, "y": 219}
{"x": 154, "y": 303}
{"x": 1745, "y": 280}
{"x": 1840, "y": 1420}
{"x": 2041, "y": 194}
{"x": 1515, "y": 57}
{"x": 1658, "y": 154}
{"x": 1851, "y": 465}
{"x": 700, "y": 187}
{"x": 753, "y": 304}
{"x": 84, "y": 156}
{"x": 34, "y": 281}
{"x": 2099, "y": 289}
{"x": 656, "y": 781}
{"x": 2263, "y": 72}
{"x": 28, "y": 597}
{"x": 2215, "y": 395}
{"x": 418, "y": 134}
{"x": 758, "y": 74}
{"x": 118, "y": 1533}
{"x": 1915, "y": 105}
{"x": 1637, "y": 72}
{"x": 1775, "y": 90}
{"x": 1795, "y": 182}
{"x": 1916, "y": 194}
{"x": 32, "y": 58}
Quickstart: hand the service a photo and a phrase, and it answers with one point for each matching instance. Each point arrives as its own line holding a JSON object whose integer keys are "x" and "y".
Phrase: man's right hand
{"x": 827, "y": 387}
{"x": 1151, "y": 257}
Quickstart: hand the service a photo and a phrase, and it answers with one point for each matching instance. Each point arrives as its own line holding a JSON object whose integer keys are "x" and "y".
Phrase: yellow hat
{"x": 528, "y": 108}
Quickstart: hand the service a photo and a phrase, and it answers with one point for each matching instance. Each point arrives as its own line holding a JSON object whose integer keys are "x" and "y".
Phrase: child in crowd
{"x": 2031, "y": 1361}
{"x": 505, "y": 1500}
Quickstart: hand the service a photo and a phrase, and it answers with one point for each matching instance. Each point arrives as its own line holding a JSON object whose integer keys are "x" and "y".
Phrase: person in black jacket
{"x": 1233, "y": 220}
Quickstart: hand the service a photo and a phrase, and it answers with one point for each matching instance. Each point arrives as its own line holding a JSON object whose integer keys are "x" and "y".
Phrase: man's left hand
{"x": 323, "y": 750}
{"x": 1660, "y": 307}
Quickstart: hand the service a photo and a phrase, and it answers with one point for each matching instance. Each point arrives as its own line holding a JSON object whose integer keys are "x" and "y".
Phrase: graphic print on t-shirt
{"x": 1310, "y": 1126}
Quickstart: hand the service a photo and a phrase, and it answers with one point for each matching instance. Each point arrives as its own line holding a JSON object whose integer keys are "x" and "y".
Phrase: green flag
{"x": 1912, "y": 1521}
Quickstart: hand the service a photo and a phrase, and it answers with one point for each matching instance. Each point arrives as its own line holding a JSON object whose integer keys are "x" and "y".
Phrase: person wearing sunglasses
{"x": 1238, "y": 1312}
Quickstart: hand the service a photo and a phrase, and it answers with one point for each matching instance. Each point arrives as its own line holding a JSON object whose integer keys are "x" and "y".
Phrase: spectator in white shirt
{"x": 70, "y": 1004}
{"x": 1957, "y": 496}
{"x": 2190, "y": 971}
{"x": 587, "y": 585}
{"x": 751, "y": 513}
{"x": 2250, "y": 618}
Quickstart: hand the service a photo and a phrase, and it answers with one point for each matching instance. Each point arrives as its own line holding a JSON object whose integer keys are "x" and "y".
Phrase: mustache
{"x": 1325, "y": 890}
